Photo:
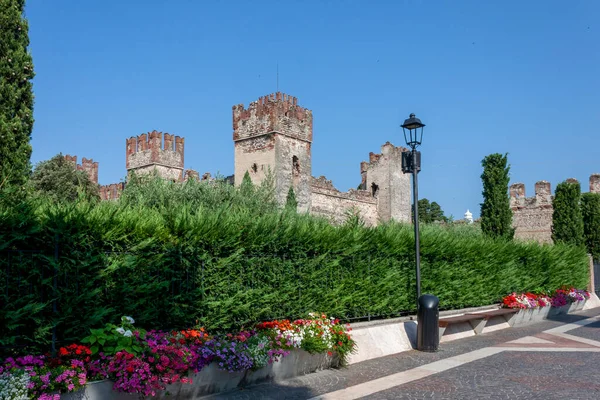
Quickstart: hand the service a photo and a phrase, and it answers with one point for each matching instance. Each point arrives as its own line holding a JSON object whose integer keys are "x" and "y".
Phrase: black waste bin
{"x": 428, "y": 331}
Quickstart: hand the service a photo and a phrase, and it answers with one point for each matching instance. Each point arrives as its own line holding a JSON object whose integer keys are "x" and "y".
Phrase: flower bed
{"x": 146, "y": 362}
{"x": 558, "y": 298}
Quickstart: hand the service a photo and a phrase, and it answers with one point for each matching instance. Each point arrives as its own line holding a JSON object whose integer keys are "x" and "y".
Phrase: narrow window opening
{"x": 295, "y": 166}
{"x": 374, "y": 189}
{"x": 254, "y": 168}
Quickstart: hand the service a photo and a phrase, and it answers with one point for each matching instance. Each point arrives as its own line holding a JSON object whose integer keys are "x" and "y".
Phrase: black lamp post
{"x": 411, "y": 163}
{"x": 427, "y": 305}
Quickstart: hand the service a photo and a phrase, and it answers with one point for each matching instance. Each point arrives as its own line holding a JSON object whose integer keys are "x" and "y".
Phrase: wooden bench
{"x": 477, "y": 322}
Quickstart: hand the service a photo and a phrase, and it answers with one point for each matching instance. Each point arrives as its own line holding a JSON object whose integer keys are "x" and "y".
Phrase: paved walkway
{"x": 558, "y": 359}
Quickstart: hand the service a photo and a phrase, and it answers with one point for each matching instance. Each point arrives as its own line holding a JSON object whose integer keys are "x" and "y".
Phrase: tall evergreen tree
{"x": 590, "y": 209}
{"x": 16, "y": 94}
{"x": 567, "y": 221}
{"x": 496, "y": 215}
{"x": 290, "y": 202}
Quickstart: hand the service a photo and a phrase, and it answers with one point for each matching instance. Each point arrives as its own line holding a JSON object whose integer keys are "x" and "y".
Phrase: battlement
{"x": 543, "y": 196}
{"x": 149, "y": 149}
{"x": 89, "y": 166}
{"x": 112, "y": 191}
{"x": 273, "y": 113}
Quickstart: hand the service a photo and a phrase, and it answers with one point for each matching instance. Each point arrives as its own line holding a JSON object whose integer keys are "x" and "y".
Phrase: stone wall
{"x": 326, "y": 201}
{"x": 87, "y": 165}
{"x": 276, "y": 112}
{"x": 532, "y": 216}
{"x": 146, "y": 154}
{"x": 111, "y": 192}
{"x": 383, "y": 177}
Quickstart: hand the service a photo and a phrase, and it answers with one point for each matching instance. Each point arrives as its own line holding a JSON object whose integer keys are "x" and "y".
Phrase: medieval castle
{"x": 275, "y": 134}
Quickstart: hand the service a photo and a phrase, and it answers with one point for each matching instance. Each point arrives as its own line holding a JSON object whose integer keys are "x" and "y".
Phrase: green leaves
{"x": 226, "y": 261}
{"x": 496, "y": 215}
{"x": 567, "y": 220}
{"x": 16, "y": 95}
{"x": 59, "y": 179}
{"x": 590, "y": 209}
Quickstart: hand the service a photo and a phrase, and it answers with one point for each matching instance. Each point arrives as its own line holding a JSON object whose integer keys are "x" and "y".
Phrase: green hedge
{"x": 172, "y": 267}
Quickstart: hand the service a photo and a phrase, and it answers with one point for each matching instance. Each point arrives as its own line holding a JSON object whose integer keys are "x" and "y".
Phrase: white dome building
{"x": 469, "y": 217}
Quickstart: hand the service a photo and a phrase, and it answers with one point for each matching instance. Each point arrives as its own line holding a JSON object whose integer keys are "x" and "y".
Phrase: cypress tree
{"x": 590, "y": 209}
{"x": 496, "y": 215}
{"x": 567, "y": 221}
{"x": 16, "y": 95}
{"x": 290, "y": 202}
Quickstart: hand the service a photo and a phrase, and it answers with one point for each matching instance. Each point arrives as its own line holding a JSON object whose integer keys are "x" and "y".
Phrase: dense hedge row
{"x": 174, "y": 266}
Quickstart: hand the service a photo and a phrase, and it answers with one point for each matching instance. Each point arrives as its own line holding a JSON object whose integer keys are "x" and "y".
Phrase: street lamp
{"x": 411, "y": 163}
{"x": 427, "y": 305}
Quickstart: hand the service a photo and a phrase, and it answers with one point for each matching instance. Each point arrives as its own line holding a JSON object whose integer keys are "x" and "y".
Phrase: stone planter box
{"x": 212, "y": 380}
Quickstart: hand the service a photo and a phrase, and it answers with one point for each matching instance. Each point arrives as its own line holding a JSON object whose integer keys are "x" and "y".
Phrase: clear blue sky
{"x": 485, "y": 76}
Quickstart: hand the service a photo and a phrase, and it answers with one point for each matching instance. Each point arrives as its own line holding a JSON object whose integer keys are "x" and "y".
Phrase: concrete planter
{"x": 212, "y": 380}
{"x": 531, "y": 315}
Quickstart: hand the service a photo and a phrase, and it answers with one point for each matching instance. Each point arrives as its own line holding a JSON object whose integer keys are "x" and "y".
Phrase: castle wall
{"x": 146, "y": 154}
{"x": 275, "y": 134}
{"x": 256, "y": 156}
{"x": 383, "y": 177}
{"x": 532, "y": 217}
{"x": 111, "y": 192}
{"x": 87, "y": 165}
{"x": 293, "y": 167}
{"x": 276, "y": 112}
{"x": 328, "y": 202}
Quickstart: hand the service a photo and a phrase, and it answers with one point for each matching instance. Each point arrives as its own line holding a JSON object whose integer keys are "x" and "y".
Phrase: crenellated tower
{"x": 275, "y": 134}
{"x": 146, "y": 154}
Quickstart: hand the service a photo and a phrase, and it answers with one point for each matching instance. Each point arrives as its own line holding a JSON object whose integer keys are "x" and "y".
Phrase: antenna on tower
{"x": 278, "y": 77}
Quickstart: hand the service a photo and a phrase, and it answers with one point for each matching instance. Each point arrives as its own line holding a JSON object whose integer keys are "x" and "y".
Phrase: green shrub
{"x": 590, "y": 209}
{"x": 567, "y": 220}
{"x": 227, "y": 261}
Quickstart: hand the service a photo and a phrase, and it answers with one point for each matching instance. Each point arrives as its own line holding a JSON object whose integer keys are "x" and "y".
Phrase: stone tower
{"x": 383, "y": 176}
{"x": 275, "y": 134}
{"x": 146, "y": 154}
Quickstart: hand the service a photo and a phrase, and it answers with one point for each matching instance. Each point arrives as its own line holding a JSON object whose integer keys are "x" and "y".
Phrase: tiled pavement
{"x": 569, "y": 371}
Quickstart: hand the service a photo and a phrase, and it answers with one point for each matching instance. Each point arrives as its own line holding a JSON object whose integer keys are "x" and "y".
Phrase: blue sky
{"x": 485, "y": 76}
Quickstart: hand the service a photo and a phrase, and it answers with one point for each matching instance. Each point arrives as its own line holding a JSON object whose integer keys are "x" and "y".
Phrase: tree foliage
{"x": 290, "y": 202}
{"x": 16, "y": 94}
{"x": 496, "y": 215}
{"x": 430, "y": 212}
{"x": 590, "y": 210}
{"x": 59, "y": 179}
{"x": 567, "y": 220}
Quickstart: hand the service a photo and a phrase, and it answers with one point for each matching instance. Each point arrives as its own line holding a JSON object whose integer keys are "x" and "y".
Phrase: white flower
{"x": 121, "y": 331}
{"x": 129, "y": 319}
{"x": 127, "y": 333}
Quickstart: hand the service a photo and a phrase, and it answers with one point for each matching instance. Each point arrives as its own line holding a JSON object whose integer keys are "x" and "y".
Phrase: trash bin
{"x": 428, "y": 331}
